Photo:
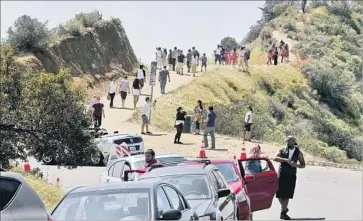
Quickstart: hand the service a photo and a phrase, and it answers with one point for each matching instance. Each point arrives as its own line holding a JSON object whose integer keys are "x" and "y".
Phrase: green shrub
{"x": 290, "y": 27}
{"x": 89, "y": 20}
{"x": 75, "y": 28}
{"x": 28, "y": 33}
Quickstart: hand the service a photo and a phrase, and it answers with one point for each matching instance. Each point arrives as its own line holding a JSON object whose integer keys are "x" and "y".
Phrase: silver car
{"x": 18, "y": 201}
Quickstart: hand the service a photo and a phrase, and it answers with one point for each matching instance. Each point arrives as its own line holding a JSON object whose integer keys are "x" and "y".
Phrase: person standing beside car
{"x": 288, "y": 158}
{"x": 98, "y": 111}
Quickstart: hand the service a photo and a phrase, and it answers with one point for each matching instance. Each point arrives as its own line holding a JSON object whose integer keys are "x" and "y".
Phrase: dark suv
{"x": 203, "y": 186}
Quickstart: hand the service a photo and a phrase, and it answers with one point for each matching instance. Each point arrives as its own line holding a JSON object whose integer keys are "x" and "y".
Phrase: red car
{"x": 254, "y": 190}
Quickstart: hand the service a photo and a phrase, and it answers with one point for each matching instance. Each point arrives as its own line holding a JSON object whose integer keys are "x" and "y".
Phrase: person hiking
{"x": 242, "y": 56}
{"x": 198, "y": 111}
{"x": 204, "y": 60}
{"x": 98, "y": 112}
{"x": 180, "y": 65}
{"x": 124, "y": 88}
{"x": 282, "y": 51}
{"x": 111, "y": 92}
{"x": 179, "y": 124}
{"x": 248, "y": 123}
{"x": 288, "y": 158}
{"x": 174, "y": 57}
{"x": 163, "y": 77}
{"x": 141, "y": 76}
{"x": 233, "y": 57}
{"x": 210, "y": 128}
{"x": 287, "y": 53}
{"x": 194, "y": 64}
{"x": 270, "y": 55}
{"x": 164, "y": 55}
{"x": 90, "y": 105}
{"x": 276, "y": 55}
{"x": 195, "y": 52}
{"x": 145, "y": 115}
{"x": 170, "y": 59}
{"x": 223, "y": 57}
{"x": 218, "y": 54}
{"x": 247, "y": 57}
{"x": 189, "y": 59}
{"x": 136, "y": 91}
{"x": 227, "y": 55}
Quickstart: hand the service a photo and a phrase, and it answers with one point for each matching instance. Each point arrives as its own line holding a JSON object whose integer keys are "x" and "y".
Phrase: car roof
{"x": 212, "y": 160}
{"x": 17, "y": 176}
{"x": 145, "y": 184}
{"x": 177, "y": 170}
{"x": 117, "y": 135}
{"x": 138, "y": 157}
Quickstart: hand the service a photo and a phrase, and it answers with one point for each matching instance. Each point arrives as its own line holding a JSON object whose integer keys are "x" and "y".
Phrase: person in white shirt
{"x": 124, "y": 88}
{"x": 145, "y": 115}
{"x": 195, "y": 61}
{"x": 112, "y": 91}
{"x": 141, "y": 76}
{"x": 248, "y": 123}
{"x": 218, "y": 54}
{"x": 159, "y": 57}
{"x": 242, "y": 56}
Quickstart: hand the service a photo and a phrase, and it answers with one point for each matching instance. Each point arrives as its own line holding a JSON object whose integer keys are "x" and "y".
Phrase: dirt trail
{"x": 282, "y": 36}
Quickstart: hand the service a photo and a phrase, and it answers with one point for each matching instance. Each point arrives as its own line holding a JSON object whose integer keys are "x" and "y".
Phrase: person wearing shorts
{"x": 124, "y": 88}
{"x": 248, "y": 123}
{"x": 141, "y": 76}
{"x": 145, "y": 115}
{"x": 136, "y": 91}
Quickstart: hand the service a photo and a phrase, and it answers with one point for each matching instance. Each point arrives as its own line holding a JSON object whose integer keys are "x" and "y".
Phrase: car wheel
{"x": 97, "y": 159}
{"x": 48, "y": 160}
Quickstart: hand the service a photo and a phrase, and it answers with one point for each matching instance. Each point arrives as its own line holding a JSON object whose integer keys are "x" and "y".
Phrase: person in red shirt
{"x": 150, "y": 159}
{"x": 233, "y": 57}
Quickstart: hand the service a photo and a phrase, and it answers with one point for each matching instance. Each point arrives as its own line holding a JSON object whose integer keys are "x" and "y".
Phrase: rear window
{"x": 228, "y": 171}
{"x": 172, "y": 161}
{"x": 8, "y": 188}
{"x": 105, "y": 205}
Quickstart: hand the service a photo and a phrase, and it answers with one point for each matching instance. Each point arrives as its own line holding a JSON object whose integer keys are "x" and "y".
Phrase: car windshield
{"x": 172, "y": 160}
{"x": 192, "y": 187}
{"x": 228, "y": 171}
{"x": 127, "y": 204}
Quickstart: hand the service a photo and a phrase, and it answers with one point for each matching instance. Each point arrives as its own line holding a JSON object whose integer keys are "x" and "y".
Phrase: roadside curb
{"x": 335, "y": 165}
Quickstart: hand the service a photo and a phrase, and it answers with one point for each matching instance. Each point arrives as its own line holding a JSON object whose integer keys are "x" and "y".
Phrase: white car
{"x": 115, "y": 170}
{"x": 106, "y": 143}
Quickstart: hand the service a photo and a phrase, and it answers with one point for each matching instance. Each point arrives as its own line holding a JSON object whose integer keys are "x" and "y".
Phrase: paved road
{"x": 333, "y": 194}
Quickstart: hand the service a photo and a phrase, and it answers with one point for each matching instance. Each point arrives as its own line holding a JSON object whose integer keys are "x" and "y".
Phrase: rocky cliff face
{"x": 98, "y": 51}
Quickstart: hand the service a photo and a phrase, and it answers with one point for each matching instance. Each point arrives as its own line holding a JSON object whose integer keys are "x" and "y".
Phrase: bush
{"x": 75, "y": 28}
{"x": 253, "y": 33}
{"x": 290, "y": 27}
{"x": 88, "y": 20}
{"x": 28, "y": 33}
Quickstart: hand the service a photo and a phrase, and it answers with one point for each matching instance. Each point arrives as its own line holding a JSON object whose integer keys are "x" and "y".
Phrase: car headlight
{"x": 241, "y": 196}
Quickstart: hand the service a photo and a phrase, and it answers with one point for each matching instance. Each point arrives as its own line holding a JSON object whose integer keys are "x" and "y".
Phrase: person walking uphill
{"x": 210, "y": 128}
{"x": 179, "y": 124}
{"x": 141, "y": 76}
{"x": 174, "y": 56}
{"x": 112, "y": 91}
{"x": 288, "y": 158}
{"x": 145, "y": 115}
{"x": 124, "y": 88}
{"x": 163, "y": 77}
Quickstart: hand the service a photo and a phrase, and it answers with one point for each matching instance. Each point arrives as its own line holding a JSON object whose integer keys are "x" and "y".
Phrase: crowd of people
{"x": 276, "y": 51}
{"x": 176, "y": 59}
{"x": 232, "y": 56}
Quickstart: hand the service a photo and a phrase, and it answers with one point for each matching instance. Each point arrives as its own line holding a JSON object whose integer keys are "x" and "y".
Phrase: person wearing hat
{"x": 288, "y": 158}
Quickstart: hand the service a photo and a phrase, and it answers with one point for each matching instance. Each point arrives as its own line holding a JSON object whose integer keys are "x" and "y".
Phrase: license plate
{"x": 132, "y": 148}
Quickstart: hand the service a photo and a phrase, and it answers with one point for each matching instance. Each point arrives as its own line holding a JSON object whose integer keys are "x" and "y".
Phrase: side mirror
{"x": 223, "y": 193}
{"x": 172, "y": 214}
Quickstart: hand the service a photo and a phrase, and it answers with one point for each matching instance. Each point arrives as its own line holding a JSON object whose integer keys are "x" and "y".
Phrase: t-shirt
{"x": 218, "y": 51}
{"x": 242, "y": 53}
{"x": 145, "y": 109}
{"x": 124, "y": 85}
{"x": 249, "y": 114}
{"x": 194, "y": 60}
{"x": 211, "y": 119}
{"x": 158, "y": 53}
{"x": 174, "y": 54}
{"x": 112, "y": 87}
{"x": 189, "y": 56}
{"x": 204, "y": 60}
{"x": 181, "y": 58}
{"x": 140, "y": 74}
{"x": 98, "y": 107}
{"x": 163, "y": 75}
{"x": 136, "y": 84}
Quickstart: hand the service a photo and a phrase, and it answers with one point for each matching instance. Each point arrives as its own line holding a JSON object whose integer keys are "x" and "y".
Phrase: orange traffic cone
{"x": 243, "y": 153}
{"x": 26, "y": 166}
{"x": 202, "y": 151}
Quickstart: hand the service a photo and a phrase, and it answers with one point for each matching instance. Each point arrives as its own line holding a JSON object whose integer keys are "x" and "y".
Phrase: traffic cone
{"x": 202, "y": 151}
{"x": 26, "y": 166}
{"x": 243, "y": 153}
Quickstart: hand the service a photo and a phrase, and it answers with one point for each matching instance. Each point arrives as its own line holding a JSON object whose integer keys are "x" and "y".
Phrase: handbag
{"x": 108, "y": 97}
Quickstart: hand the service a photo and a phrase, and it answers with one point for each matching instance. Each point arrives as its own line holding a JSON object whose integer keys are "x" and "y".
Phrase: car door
{"x": 178, "y": 202}
{"x": 162, "y": 203}
{"x": 226, "y": 204}
{"x": 261, "y": 183}
{"x": 117, "y": 172}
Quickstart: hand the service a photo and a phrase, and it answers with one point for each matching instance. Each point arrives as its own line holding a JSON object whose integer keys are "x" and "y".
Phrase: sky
{"x": 151, "y": 24}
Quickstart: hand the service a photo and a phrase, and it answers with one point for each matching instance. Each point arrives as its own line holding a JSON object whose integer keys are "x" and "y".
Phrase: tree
{"x": 28, "y": 33}
{"x": 41, "y": 113}
{"x": 229, "y": 42}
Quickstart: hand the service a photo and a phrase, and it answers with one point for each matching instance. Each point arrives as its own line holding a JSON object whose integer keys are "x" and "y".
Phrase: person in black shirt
{"x": 179, "y": 124}
{"x": 180, "y": 65}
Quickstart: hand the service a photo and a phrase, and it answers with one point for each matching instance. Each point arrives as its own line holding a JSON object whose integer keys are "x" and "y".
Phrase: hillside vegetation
{"x": 317, "y": 98}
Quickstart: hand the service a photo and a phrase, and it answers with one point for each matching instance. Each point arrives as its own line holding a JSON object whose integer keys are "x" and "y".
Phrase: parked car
{"x": 202, "y": 185}
{"x": 18, "y": 201}
{"x": 115, "y": 171}
{"x": 104, "y": 142}
{"x": 124, "y": 201}
{"x": 254, "y": 191}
